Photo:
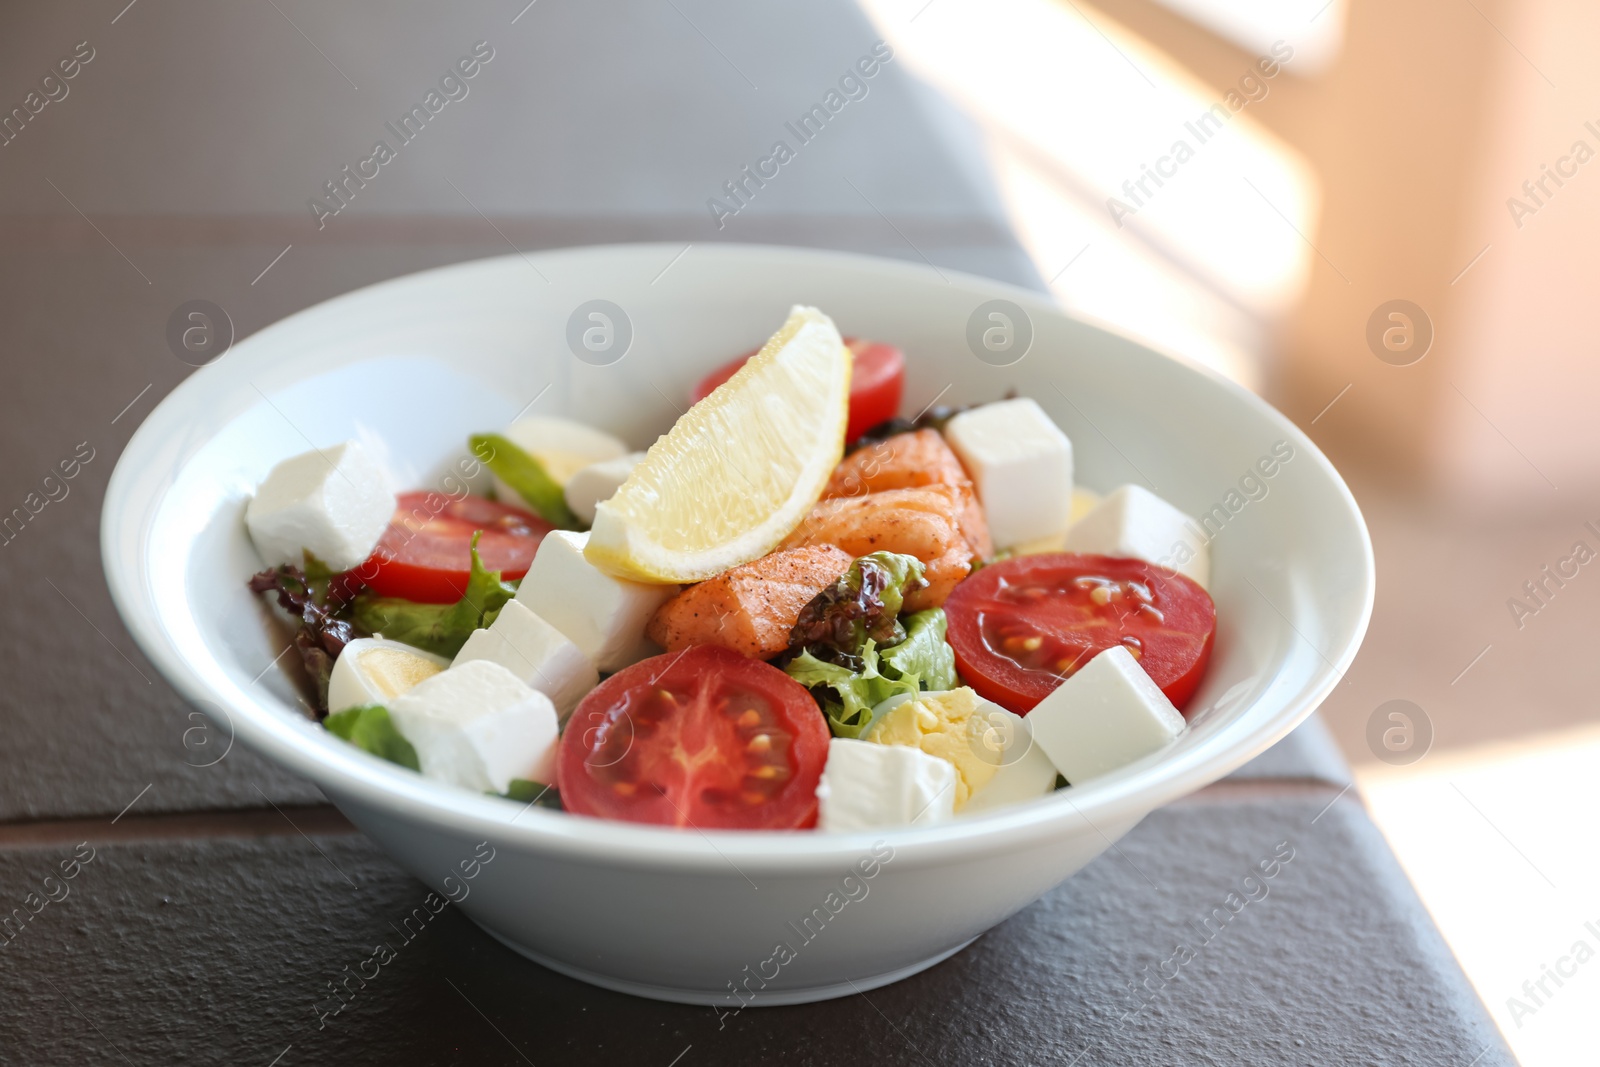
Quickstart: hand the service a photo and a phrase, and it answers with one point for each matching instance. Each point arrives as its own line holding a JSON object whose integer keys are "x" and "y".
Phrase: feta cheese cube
{"x": 537, "y": 653}
{"x": 1024, "y": 772}
{"x": 604, "y": 616}
{"x": 1021, "y": 464}
{"x": 561, "y": 446}
{"x": 1134, "y": 522}
{"x": 371, "y": 670}
{"x": 597, "y": 482}
{"x": 477, "y": 726}
{"x": 334, "y": 503}
{"x": 866, "y": 786}
{"x": 1103, "y": 717}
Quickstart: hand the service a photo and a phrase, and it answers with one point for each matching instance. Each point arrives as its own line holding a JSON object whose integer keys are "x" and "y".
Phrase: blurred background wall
{"x": 1389, "y": 232}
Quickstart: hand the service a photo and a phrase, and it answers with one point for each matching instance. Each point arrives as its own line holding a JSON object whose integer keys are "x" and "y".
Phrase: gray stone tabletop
{"x": 220, "y": 901}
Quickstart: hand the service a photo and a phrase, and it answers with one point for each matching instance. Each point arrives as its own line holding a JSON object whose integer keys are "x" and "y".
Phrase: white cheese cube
{"x": 1025, "y": 772}
{"x": 333, "y": 502}
{"x": 1134, "y": 522}
{"x": 1103, "y": 717}
{"x": 604, "y": 616}
{"x": 477, "y": 726}
{"x": 1083, "y": 502}
{"x": 371, "y": 670}
{"x": 561, "y": 446}
{"x": 597, "y": 482}
{"x": 537, "y": 653}
{"x": 1021, "y": 464}
{"x": 866, "y": 786}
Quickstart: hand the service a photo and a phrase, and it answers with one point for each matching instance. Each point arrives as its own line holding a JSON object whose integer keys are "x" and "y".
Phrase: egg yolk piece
{"x": 951, "y": 726}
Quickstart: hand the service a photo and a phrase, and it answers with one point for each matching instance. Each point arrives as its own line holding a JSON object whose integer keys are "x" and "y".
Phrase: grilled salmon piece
{"x": 943, "y": 574}
{"x": 917, "y": 522}
{"x": 912, "y": 461}
{"x": 751, "y": 608}
{"x": 904, "y": 461}
{"x": 974, "y": 527}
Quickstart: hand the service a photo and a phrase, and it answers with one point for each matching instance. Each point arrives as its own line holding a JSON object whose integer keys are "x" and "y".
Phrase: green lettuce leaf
{"x": 324, "y": 627}
{"x": 527, "y": 476}
{"x": 923, "y": 661}
{"x": 318, "y": 575}
{"x": 370, "y": 728}
{"x": 924, "y": 656}
{"x": 864, "y": 603}
{"x": 437, "y": 628}
{"x": 854, "y": 693}
{"x": 530, "y": 792}
{"x": 905, "y": 572}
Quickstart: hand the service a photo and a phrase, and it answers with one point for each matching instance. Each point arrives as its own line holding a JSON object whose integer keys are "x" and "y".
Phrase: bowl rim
{"x": 350, "y": 776}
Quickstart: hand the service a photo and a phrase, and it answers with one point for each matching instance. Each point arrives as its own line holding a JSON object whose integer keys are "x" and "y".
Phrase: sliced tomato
{"x": 1022, "y": 626}
{"x": 877, "y": 380}
{"x": 702, "y": 738}
{"x": 426, "y": 553}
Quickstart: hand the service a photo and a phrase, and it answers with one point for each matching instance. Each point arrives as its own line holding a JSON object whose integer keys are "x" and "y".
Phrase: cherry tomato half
{"x": 702, "y": 738}
{"x": 876, "y": 382}
{"x": 425, "y": 554}
{"x": 1022, "y": 626}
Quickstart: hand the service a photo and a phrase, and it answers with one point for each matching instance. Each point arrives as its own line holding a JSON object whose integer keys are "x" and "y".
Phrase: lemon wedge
{"x": 739, "y": 470}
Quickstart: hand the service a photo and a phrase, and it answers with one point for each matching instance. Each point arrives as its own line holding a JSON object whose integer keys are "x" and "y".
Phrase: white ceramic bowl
{"x": 419, "y": 362}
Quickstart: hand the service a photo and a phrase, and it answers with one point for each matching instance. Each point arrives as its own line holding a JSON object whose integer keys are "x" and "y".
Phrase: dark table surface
{"x": 221, "y": 900}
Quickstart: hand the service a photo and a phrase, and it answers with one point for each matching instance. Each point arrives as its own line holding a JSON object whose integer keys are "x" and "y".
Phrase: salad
{"x": 795, "y": 611}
